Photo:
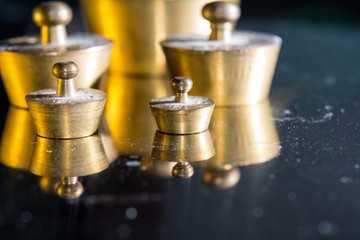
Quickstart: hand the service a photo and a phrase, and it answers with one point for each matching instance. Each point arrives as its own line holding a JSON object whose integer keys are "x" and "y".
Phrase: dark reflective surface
{"x": 309, "y": 191}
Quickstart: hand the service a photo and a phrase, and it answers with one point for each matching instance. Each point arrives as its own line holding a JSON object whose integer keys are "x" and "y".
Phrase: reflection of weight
{"x": 182, "y": 149}
{"x": 68, "y": 159}
{"x": 242, "y": 136}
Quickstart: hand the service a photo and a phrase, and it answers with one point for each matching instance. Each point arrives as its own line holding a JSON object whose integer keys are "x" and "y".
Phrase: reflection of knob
{"x": 52, "y": 17}
{"x": 66, "y": 112}
{"x": 70, "y": 188}
{"x": 182, "y": 114}
{"x": 221, "y": 178}
{"x": 183, "y": 170}
{"x": 222, "y": 16}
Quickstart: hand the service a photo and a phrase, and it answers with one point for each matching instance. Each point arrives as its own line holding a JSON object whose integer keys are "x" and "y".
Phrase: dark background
{"x": 16, "y": 14}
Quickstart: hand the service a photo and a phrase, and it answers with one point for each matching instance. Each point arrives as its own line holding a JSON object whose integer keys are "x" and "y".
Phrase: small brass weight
{"x": 178, "y": 116}
{"x": 182, "y": 114}
{"x": 65, "y": 120}
{"x": 66, "y": 112}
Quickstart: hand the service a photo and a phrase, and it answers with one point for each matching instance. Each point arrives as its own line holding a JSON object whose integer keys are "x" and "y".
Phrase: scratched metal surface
{"x": 310, "y": 191}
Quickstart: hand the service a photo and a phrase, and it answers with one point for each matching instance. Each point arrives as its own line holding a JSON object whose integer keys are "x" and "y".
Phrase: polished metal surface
{"x": 66, "y": 112}
{"x": 182, "y": 114}
{"x": 232, "y": 69}
{"x": 138, "y": 26}
{"x": 29, "y": 58}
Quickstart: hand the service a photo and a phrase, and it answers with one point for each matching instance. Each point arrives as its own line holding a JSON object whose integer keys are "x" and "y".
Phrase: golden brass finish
{"x": 26, "y": 61}
{"x": 137, "y": 27}
{"x": 127, "y": 112}
{"x": 242, "y": 136}
{"x": 232, "y": 69}
{"x": 182, "y": 114}
{"x": 66, "y": 112}
{"x": 68, "y": 157}
{"x": 17, "y": 139}
{"x": 52, "y": 18}
{"x": 183, "y": 149}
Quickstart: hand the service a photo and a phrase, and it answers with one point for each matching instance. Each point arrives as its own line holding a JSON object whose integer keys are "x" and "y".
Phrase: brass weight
{"x": 66, "y": 112}
{"x": 232, "y": 68}
{"x": 26, "y": 61}
{"x": 182, "y": 114}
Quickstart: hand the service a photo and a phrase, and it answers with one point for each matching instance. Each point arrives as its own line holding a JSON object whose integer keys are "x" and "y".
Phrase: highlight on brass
{"x": 242, "y": 136}
{"x": 182, "y": 114}
{"x": 17, "y": 139}
{"x": 29, "y": 58}
{"x": 128, "y": 114}
{"x": 66, "y": 112}
{"x": 152, "y": 21}
{"x": 182, "y": 149}
{"x": 68, "y": 159}
{"x": 232, "y": 68}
